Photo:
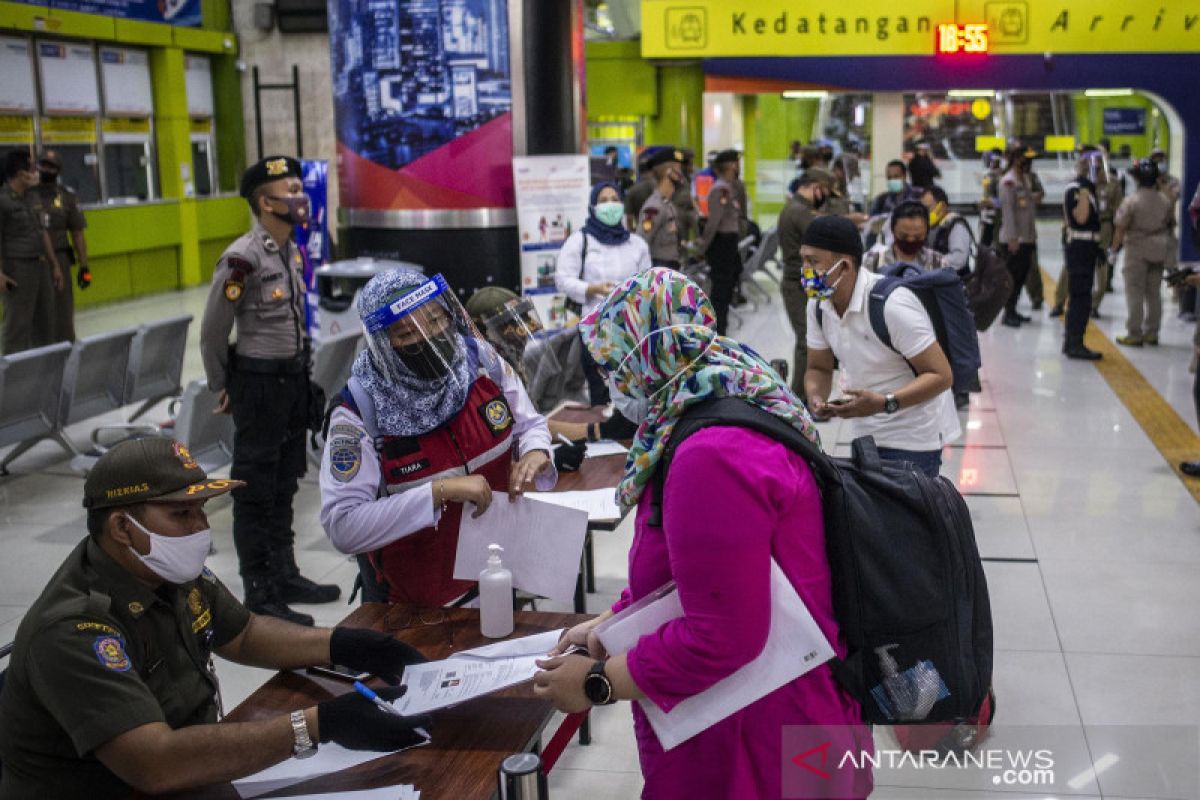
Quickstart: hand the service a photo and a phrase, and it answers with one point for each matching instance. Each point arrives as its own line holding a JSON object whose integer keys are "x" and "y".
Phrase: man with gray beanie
{"x": 900, "y": 394}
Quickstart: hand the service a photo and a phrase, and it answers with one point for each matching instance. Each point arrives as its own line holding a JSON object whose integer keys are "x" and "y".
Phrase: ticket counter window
{"x": 127, "y": 172}
{"x": 81, "y": 169}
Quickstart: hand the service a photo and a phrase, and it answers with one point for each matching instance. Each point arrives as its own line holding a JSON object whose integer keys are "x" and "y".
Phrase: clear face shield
{"x": 421, "y": 337}
{"x": 517, "y": 333}
{"x": 1094, "y": 167}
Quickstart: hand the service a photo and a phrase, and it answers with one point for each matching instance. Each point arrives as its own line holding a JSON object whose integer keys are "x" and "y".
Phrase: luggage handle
{"x": 865, "y": 454}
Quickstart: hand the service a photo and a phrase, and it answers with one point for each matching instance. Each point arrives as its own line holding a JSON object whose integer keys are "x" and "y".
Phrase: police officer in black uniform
{"x": 263, "y": 381}
{"x": 1081, "y": 212}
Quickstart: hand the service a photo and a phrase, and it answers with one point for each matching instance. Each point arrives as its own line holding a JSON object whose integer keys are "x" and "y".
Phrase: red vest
{"x": 476, "y": 441}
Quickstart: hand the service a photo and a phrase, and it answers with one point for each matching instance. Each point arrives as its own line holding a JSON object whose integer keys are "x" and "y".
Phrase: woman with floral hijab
{"x": 733, "y": 501}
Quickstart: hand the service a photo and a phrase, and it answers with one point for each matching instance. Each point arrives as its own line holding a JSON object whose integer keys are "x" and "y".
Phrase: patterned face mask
{"x": 816, "y": 285}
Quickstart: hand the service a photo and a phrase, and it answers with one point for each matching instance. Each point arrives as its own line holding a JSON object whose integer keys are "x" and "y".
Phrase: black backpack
{"x": 906, "y": 576}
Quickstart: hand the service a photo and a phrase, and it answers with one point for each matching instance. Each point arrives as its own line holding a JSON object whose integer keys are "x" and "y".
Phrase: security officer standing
{"x": 658, "y": 222}
{"x": 1018, "y": 229}
{"x": 263, "y": 381}
{"x": 719, "y": 244}
{"x": 65, "y": 224}
{"x": 29, "y": 271}
{"x": 111, "y": 688}
{"x": 686, "y": 214}
{"x": 989, "y": 205}
{"x": 813, "y": 189}
{"x": 1081, "y": 212}
{"x": 1109, "y": 194}
{"x": 640, "y": 192}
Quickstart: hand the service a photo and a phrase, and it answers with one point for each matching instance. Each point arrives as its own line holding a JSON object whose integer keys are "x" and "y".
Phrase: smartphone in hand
{"x": 338, "y": 673}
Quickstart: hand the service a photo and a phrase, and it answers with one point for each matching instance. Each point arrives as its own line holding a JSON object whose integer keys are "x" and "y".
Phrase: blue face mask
{"x": 895, "y": 185}
{"x": 817, "y": 285}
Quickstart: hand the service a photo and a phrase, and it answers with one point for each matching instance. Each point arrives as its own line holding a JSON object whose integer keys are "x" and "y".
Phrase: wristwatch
{"x": 303, "y": 746}
{"x": 597, "y": 686}
{"x": 890, "y": 404}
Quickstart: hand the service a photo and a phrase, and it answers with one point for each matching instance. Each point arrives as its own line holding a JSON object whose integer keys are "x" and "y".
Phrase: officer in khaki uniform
{"x": 686, "y": 214}
{"x": 29, "y": 271}
{"x": 65, "y": 224}
{"x": 1144, "y": 225}
{"x": 263, "y": 381}
{"x": 719, "y": 244}
{"x": 110, "y": 687}
{"x": 813, "y": 189}
{"x": 658, "y": 222}
{"x": 640, "y": 192}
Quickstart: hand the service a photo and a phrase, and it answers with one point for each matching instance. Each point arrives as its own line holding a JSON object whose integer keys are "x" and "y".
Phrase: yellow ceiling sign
{"x": 985, "y": 143}
{"x": 735, "y": 28}
{"x": 1059, "y": 144}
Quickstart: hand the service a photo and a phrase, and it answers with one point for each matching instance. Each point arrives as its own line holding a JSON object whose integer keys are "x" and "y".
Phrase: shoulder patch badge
{"x": 110, "y": 652}
{"x": 345, "y": 457}
{"x": 136, "y": 608}
{"x": 233, "y": 290}
{"x": 497, "y": 415}
{"x": 647, "y": 225}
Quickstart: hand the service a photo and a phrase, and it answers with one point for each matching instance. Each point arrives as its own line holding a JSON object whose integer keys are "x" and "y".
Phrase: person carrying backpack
{"x": 897, "y": 390}
{"x": 734, "y": 500}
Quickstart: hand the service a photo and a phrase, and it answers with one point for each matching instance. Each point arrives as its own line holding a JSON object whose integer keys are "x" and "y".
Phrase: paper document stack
{"x": 795, "y": 645}
{"x": 473, "y": 673}
{"x": 403, "y": 791}
{"x": 329, "y": 758}
{"x": 600, "y": 504}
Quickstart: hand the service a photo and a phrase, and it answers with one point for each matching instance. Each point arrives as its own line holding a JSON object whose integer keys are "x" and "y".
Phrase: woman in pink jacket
{"x": 733, "y": 501}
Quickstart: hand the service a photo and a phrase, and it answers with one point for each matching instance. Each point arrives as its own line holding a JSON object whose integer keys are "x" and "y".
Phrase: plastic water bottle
{"x": 495, "y": 597}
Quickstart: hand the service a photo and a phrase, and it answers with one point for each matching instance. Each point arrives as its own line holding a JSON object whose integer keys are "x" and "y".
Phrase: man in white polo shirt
{"x": 901, "y": 398}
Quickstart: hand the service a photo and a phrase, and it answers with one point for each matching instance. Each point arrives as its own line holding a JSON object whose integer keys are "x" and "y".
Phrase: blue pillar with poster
{"x": 313, "y": 237}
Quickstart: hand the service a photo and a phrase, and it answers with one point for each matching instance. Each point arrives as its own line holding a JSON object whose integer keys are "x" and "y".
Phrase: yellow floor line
{"x": 1169, "y": 432}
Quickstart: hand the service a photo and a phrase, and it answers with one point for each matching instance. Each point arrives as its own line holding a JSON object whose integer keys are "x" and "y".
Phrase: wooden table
{"x": 469, "y": 740}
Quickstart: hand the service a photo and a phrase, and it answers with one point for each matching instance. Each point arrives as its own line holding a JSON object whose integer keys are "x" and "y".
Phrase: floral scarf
{"x": 654, "y": 336}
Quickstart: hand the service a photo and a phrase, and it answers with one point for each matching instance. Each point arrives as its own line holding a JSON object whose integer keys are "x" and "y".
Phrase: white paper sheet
{"x": 542, "y": 544}
{"x": 537, "y": 644}
{"x": 600, "y": 504}
{"x": 795, "y": 645}
{"x": 401, "y": 792}
{"x": 605, "y": 447}
{"x": 330, "y": 758}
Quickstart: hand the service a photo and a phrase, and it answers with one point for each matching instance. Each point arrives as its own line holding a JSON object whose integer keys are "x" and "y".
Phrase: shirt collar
{"x": 858, "y": 300}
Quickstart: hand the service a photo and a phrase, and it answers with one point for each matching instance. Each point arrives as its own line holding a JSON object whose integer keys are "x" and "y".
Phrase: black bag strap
{"x": 583, "y": 253}
{"x": 736, "y": 412}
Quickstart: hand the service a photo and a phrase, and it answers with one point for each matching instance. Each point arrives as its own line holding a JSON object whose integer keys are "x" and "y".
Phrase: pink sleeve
{"x": 623, "y": 602}
{"x": 720, "y": 554}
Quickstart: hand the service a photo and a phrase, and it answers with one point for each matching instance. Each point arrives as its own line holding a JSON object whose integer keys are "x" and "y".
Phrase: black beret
{"x": 726, "y": 157}
{"x": 664, "y": 155}
{"x": 271, "y": 168}
{"x": 836, "y": 234}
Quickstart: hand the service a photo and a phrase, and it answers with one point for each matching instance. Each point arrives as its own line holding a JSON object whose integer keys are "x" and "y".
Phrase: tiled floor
{"x": 1091, "y": 548}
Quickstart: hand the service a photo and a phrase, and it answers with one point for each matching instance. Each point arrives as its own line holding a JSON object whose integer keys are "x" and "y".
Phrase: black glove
{"x": 373, "y": 652}
{"x": 568, "y": 457}
{"x": 84, "y": 277}
{"x": 354, "y": 722}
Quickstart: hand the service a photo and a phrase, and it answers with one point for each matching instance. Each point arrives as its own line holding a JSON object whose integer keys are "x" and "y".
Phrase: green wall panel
{"x": 110, "y": 280}
{"x": 227, "y": 217}
{"x": 210, "y": 252}
{"x": 131, "y": 228}
{"x": 154, "y": 271}
{"x": 619, "y": 82}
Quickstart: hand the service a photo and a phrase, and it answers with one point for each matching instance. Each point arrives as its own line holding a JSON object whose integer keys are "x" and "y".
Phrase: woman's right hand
{"x": 600, "y": 288}
{"x": 472, "y": 489}
{"x": 582, "y": 636}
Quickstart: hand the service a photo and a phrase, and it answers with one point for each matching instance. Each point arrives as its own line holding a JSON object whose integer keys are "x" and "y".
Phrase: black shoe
{"x": 1022, "y": 317}
{"x": 1037, "y": 305}
{"x": 1190, "y": 468}
{"x": 298, "y": 589}
{"x": 962, "y": 400}
{"x": 1081, "y": 352}
{"x": 1057, "y": 311}
{"x": 1095, "y": 314}
{"x": 262, "y": 597}
{"x": 1011, "y": 320}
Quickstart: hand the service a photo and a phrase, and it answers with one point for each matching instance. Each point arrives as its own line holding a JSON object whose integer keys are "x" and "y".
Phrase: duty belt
{"x": 1083, "y": 236}
{"x": 296, "y": 365}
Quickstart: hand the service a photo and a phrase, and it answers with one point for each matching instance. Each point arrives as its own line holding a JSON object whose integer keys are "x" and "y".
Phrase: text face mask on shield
{"x": 175, "y": 559}
{"x": 817, "y": 286}
{"x": 610, "y": 213}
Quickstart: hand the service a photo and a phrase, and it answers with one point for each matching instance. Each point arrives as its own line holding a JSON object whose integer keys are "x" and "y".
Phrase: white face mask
{"x": 175, "y": 559}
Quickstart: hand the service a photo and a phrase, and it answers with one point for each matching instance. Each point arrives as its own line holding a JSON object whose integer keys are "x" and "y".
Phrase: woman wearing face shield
{"x": 734, "y": 500}
{"x": 432, "y": 421}
{"x": 593, "y": 260}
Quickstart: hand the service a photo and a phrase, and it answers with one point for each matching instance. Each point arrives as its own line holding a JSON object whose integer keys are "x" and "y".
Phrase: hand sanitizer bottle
{"x": 495, "y": 597}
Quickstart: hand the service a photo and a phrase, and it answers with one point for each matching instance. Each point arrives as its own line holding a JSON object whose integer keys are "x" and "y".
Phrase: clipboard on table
{"x": 795, "y": 646}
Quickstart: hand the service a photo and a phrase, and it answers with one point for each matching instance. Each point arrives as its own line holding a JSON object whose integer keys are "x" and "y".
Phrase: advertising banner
{"x": 552, "y": 202}
{"x": 171, "y": 12}
{"x": 422, "y": 95}
{"x": 1124, "y": 122}
{"x": 313, "y": 238}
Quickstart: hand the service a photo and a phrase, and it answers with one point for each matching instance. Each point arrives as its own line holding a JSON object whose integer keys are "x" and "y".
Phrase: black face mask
{"x": 48, "y": 177}
{"x": 433, "y": 358}
{"x": 818, "y": 200}
{"x": 909, "y": 248}
{"x": 298, "y": 208}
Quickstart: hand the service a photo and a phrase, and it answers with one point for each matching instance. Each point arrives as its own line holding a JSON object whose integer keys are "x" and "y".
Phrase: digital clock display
{"x": 955, "y": 38}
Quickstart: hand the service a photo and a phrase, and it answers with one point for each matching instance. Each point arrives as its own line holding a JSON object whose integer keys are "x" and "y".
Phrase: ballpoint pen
{"x": 382, "y": 704}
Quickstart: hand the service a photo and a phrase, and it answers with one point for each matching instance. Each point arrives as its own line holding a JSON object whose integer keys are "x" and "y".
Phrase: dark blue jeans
{"x": 928, "y": 461}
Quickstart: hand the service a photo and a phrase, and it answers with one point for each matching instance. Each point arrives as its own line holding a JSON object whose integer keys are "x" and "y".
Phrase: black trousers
{"x": 987, "y": 232}
{"x": 1081, "y": 276}
{"x": 270, "y": 417}
{"x": 597, "y": 387}
{"x": 725, "y": 268}
{"x": 1019, "y": 264}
